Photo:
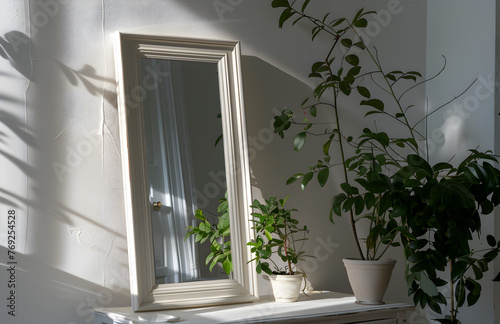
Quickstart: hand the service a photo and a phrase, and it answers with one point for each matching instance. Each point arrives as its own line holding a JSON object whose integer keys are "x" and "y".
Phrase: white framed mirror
{"x": 170, "y": 93}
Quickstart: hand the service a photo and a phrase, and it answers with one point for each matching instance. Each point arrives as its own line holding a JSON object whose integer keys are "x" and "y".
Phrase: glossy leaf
{"x": 361, "y": 23}
{"x": 313, "y": 111}
{"x": 346, "y": 42}
{"x": 280, "y": 3}
{"x": 323, "y": 175}
{"x": 299, "y": 141}
{"x": 375, "y": 103}
{"x": 352, "y": 59}
{"x": 285, "y": 15}
{"x": 294, "y": 178}
{"x": 363, "y": 91}
{"x": 305, "y": 5}
{"x": 307, "y": 177}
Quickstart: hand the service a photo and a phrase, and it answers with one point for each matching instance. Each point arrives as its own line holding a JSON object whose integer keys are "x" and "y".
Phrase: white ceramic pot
{"x": 286, "y": 288}
{"x": 369, "y": 279}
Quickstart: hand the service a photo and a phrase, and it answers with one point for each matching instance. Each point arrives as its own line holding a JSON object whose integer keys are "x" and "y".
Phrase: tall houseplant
{"x": 279, "y": 235}
{"x": 387, "y": 179}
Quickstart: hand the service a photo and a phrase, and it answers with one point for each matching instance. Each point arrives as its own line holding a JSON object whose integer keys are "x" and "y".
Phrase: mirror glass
{"x": 183, "y": 148}
{"x": 185, "y": 165}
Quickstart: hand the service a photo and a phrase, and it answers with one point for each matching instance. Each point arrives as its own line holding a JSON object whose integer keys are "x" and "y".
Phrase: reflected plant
{"x": 218, "y": 236}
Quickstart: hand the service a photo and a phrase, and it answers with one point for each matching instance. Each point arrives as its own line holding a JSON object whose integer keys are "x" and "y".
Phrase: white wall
{"x": 464, "y": 32}
{"x": 60, "y": 146}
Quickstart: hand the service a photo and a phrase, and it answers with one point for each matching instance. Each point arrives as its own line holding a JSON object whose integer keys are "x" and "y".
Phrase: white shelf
{"x": 326, "y": 307}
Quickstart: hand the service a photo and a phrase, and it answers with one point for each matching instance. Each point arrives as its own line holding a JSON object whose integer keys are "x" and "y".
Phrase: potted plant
{"x": 388, "y": 184}
{"x": 278, "y": 234}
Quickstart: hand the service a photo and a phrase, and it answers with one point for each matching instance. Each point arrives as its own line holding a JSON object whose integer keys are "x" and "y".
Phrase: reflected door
{"x": 184, "y": 166}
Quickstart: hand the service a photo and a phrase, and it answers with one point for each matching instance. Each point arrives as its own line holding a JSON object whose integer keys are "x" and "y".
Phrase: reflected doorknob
{"x": 157, "y": 205}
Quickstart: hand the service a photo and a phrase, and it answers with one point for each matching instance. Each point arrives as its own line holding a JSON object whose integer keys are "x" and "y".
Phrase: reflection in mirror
{"x": 170, "y": 93}
{"x": 185, "y": 168}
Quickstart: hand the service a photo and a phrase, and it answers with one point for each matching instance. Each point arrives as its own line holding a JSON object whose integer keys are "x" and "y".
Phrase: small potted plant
{"x": 278, "y": 234}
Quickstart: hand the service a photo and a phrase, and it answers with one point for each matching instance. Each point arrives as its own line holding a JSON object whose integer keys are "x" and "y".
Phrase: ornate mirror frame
{"x": 145, "y": 294}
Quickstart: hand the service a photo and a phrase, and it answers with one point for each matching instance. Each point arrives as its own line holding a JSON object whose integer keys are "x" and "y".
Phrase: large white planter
{"x": 286, "y": 288}
{"x": 369, "y": 279}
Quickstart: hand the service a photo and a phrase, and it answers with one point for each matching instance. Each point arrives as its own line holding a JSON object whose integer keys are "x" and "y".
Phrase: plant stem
{"x": 286, "y": 249}
{"x": 341, "y": 147}
{"x": 452, "y": 295}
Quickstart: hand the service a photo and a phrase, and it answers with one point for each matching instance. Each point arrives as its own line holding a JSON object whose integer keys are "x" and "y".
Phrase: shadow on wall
{"x": 51, "y": 241}
{"x": 48, "y": 284}
{"x": 16, "y": 47}
{"x": 267, "y": 91}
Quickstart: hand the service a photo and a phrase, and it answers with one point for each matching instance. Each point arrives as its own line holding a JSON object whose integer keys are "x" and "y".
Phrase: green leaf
{"x": 307, "y": 177}
{"x": 285, "y": 15}
{"x": 460, "y": 292}
{"x": 398, "y": 211}
{"x": 390, "y": 77}
{"x": 418, "y": 244}
{"x": 345, "y": 87}
{"x": 414, "y": 73}
{"x": 347, "y": 206}
{"x": 294, "y": 178}
{"x": 375, "y": 103}
{"x": 323, "y": 175}
{"x": 316, "y": 66}
{"x": 228, "y": 266}
{"x": 364, "y": 92}
{"x": 458, "y": 270}
{"x": 280, "y": 3}
{"x": 299, "y": 141}
{"x": 487, "y": 207}
{"x": 346, "y": 42}
{"x": 337, "y": 22}
{"x": 218, "y": 140}
{"x": 359, "y": 205}
{"x": 376, "y": 186}
{"x": 491, "y": 240}
{"x": 418, "y": 257}
{"x": 337, "y": 202}
{"x": 199, "y": 214}
{"x": 361, "y": 23}
{"x": 358, "y": 14}
{"x": 305, "y": 5}
{"x": 360, "y": 45}
{"x": 313, "y": 111}
{"x": 474, "y": 291}
{"x": 268, "y": 235}
{"x": 428, "y": 286}
{"x": 326, "y": 146}
{"x": 352, "y": 59}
